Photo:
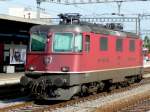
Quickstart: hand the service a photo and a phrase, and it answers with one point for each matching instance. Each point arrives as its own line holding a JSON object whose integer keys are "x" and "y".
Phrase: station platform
{"x": 146, "y": 64}
{"x": 10, "y": 78}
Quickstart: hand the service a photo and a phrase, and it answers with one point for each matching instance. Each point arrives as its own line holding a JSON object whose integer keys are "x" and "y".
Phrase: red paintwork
{"x": 94, "y": 60}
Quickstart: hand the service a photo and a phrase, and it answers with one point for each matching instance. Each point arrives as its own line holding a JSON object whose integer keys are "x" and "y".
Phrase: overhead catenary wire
{"x": 71, "y": 2}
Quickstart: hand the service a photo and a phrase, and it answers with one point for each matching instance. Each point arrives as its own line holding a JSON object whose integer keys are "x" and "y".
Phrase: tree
{"x": 147, "y": 42}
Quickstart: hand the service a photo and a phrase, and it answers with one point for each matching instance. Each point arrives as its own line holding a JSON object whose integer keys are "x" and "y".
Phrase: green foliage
{"x": 147, "y": 42}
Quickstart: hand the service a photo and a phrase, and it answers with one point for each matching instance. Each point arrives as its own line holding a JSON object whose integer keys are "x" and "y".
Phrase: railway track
{"x": 14, "y": 89}
{"x": 32, "y": 106}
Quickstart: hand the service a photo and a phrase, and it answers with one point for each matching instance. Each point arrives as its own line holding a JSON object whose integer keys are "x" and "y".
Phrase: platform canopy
{"x": 15, "y": 27}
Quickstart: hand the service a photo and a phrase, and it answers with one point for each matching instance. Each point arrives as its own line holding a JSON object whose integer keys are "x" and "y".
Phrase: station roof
{"x": 24, "y": 20}
{"x": 15, "y": 27}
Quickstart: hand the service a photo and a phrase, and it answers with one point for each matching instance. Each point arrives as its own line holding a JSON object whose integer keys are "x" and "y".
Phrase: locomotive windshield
{"x": 67, "y": 42}
{"x": 38, "y": 41}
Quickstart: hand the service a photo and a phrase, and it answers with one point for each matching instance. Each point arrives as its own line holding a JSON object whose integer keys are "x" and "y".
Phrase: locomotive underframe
{"x": 63, "y": 86}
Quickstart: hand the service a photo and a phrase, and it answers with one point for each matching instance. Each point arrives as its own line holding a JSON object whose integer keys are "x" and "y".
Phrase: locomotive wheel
{"x": 139, "y": 78}
{"x": 112, "y": 87}
{"x": 124, "y": 84}
{"x": 108, "y": 85}
{"x": 101, "y": 86}
{"x": 119, "y": 85}
{"x": 84, "y": 90}
{"x": 132, "y": 80}
{"x": 75, "y": 97}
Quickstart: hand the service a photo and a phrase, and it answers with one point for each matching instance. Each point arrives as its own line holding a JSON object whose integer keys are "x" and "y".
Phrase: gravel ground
{"x": 93, "y": 105}
{"x": 141, "y": 106}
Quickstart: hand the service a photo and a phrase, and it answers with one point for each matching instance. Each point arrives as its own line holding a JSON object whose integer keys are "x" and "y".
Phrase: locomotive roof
{"x": 81, "y": 28}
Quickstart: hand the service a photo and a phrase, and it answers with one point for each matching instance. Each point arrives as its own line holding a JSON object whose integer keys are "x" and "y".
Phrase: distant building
{"x": 26, "y": 13}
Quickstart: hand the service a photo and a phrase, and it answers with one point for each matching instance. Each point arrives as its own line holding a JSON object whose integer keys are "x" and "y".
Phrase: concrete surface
{"x": 11, "y": 78}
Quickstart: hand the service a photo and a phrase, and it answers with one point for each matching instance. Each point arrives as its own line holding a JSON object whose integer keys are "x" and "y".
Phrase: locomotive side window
{"x": 132, "y": 45}
{"x": 103, "y": 43}
{"x": 119, "y": 45}
{"x": 78, "y": 43}
{"x": 38, "y": 41}
{"x": 87, "y": 43}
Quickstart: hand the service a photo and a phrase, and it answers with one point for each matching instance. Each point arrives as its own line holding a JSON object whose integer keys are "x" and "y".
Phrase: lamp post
{"x": 38, "y": 9}
{"x": 119, "y": 6}
{"x": 139, "y": 24}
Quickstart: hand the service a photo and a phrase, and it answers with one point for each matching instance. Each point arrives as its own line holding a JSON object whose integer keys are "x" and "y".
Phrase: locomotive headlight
{"x": 31, "y": 68}
{"x": 65, "y": 69}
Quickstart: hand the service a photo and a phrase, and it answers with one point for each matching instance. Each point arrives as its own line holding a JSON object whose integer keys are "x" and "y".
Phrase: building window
{"x": 103, "y": 43}
{"x": 119, "y": 45}
{"x": 131, "y": 45}
{"x": 87, "y": 43}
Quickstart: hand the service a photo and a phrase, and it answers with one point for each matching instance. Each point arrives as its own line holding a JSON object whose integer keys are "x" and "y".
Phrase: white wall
{"x": 24, "y": 13}
{"x": 18, "y": 11}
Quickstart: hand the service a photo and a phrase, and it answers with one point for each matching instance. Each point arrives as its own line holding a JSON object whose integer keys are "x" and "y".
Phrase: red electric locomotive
{"x": 76, "y": 58}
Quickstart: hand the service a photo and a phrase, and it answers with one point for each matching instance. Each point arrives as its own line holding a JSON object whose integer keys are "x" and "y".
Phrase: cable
{"x": 72, "y": 2}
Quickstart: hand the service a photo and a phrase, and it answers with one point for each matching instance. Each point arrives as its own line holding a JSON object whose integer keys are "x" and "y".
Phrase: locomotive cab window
{"x": 132, "y": 45}
{"x": 38, "y": 41}
{"x": 119, "y": 45}
{"x": 103, "y": 43}
{"x": 67, "y": 42}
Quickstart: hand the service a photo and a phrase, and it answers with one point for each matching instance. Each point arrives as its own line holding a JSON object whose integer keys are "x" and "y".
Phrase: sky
{"x": 88, "y": 10}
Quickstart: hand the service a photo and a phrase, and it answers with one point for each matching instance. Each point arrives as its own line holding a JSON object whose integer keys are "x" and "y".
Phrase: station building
{"x": 14, "y": 40}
